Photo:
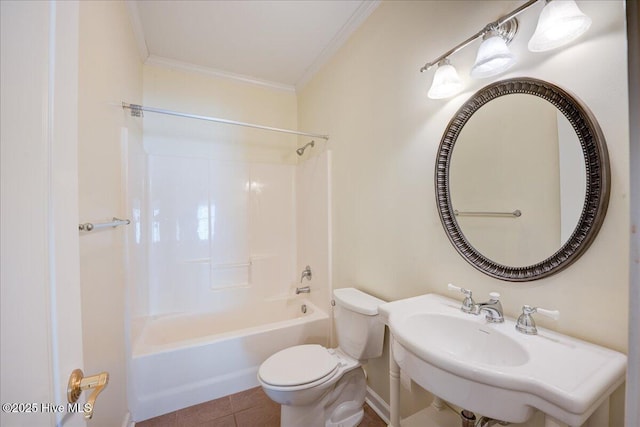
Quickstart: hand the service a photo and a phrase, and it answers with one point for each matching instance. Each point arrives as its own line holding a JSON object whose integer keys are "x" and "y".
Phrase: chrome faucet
{"x": 305, "y": 289}
{"x": 492, "y": 308}
{"x": 306, "y": 273}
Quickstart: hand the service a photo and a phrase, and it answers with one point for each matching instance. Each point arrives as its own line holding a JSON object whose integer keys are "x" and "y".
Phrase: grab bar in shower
{"x": 515, "y": 213}
{"x": 89, "y": 226}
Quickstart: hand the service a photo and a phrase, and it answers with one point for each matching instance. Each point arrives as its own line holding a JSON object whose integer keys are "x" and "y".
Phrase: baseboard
{"x": 378, "y": 404}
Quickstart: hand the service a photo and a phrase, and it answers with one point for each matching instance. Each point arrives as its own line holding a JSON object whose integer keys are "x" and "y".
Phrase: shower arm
{"x": 300, "y": 150}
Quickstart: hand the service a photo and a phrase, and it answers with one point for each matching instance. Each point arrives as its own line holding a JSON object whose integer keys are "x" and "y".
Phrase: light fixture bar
{"x": 479, "y": 34}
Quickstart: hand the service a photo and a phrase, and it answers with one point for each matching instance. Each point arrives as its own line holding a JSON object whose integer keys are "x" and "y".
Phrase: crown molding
{"x": 186, "y": 66}
{"x": 363, "y": 11}
{"x": 357, "y": 18}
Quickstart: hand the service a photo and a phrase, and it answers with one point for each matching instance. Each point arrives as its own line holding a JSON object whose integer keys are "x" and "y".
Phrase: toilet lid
{"x": 298, "y": 365}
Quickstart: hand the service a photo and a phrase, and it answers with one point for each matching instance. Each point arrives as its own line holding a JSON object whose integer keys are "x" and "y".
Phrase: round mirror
{"x": 522, "y": 179}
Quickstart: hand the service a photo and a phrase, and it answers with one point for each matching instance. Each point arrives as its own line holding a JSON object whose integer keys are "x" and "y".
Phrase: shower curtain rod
{"x": 136, "y": 111}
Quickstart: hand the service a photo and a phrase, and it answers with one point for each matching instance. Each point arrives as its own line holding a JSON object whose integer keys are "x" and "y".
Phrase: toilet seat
{"x": 301, "y": 365}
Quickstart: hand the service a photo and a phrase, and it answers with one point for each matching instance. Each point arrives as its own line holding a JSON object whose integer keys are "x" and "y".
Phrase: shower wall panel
{"x": 218, "y": 221}
{"x": 135, "y": 160}
{"x": 222, "y": 233}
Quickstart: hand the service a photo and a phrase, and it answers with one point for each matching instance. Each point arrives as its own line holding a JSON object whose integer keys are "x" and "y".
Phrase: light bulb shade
{"x": 493, "y": 57}
{"x": 560, "y": 22}
{"x": 446, "y": 82}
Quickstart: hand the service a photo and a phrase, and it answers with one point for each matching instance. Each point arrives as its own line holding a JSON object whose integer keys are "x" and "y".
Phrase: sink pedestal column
{"x": 600, "y": 416}
{"x": 394, "y": 390}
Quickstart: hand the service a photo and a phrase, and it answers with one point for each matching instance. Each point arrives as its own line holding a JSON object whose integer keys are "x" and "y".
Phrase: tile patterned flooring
{"x": 250, "y": 408}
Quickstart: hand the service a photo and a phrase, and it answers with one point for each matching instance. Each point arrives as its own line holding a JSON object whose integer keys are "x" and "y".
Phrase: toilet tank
{"x": 358, "y": 326}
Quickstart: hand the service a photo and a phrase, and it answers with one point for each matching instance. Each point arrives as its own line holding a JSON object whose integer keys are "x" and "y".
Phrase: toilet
{"x": 321, "y": 387}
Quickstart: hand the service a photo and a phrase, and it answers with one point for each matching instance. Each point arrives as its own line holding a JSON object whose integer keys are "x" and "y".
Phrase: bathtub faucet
{"x": 304, "y": 290}
{"x": 306, "y": 273}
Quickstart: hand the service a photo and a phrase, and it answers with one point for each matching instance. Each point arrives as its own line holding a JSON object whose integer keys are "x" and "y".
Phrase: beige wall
{"x": 387, "y": 237}
{"x": 207, "y": 95}
{"x": 110, "y": 72}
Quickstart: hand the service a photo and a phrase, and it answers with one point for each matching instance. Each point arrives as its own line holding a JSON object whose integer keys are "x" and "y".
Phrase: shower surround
{"x": 219, "y": 236}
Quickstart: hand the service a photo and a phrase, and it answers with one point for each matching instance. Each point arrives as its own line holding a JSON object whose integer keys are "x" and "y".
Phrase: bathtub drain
{"x": 303, "y": 308}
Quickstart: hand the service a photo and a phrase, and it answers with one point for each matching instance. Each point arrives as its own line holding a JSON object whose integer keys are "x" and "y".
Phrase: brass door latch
{"x": 78, "y": 382}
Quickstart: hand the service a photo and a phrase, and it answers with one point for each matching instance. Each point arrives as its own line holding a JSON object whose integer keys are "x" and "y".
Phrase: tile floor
{"x": 250, "y": 408}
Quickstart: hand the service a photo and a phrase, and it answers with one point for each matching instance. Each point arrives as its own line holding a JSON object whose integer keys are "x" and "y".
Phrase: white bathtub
{"x": 183, "y": 360}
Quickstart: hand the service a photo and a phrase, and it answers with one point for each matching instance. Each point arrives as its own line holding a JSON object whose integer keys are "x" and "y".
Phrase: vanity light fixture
{"x": 446, "y": 81}
{"x": 560, "y": 22}
{"x": 494, "y": 56}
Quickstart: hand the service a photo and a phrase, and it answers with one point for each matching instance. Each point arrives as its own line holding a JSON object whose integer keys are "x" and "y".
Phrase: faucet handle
{"x": 468, "y": 304}
{"x": 527, "y": 325}
{"x": 453, "y": 287}
{"x": 306, "y": 273}
{"x": 554, "y": 314}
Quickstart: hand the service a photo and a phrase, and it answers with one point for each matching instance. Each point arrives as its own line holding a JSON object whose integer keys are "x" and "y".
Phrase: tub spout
{"x": 304, "y": 290}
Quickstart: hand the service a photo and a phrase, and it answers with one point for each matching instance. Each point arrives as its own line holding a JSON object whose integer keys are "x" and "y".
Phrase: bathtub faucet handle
{"x": 306, "y": 273}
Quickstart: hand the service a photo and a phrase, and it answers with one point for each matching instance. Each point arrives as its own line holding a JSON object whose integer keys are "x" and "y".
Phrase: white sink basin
{"x": 464, "y": 339}
{"x": 494, "y": 370}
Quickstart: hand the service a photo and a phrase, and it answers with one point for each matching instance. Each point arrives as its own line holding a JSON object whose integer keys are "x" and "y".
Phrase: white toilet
{"x": 320, "y": 387}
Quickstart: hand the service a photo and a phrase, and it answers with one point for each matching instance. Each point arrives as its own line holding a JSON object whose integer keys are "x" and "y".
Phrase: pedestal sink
{"x": 460, "y": 339}
{"x": 496, "y": 371}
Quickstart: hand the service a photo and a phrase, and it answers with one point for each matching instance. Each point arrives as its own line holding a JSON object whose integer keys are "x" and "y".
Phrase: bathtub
{"x": 182, "y": 360}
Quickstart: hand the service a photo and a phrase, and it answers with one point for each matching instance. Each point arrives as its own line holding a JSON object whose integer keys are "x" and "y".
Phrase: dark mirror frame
{"x": 598, "y": 179}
